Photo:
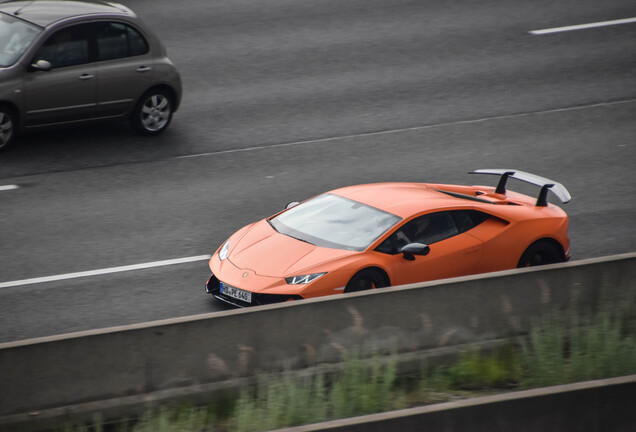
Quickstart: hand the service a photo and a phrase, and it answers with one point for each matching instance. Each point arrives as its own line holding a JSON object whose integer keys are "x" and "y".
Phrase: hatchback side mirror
{"x": 410, "y": 250}
{"x": 291, "y": 204}
{"x": 42, "y": 65}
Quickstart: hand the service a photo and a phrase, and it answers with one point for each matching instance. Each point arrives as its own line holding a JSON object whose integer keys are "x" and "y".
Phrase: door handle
{"x": 85, "y": 76}
{"x": 143, "y": 69}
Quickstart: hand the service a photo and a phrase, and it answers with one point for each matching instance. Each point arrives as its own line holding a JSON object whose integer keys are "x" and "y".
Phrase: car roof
{"x": 401, "y": 199}
{"x": 47, "y": 12}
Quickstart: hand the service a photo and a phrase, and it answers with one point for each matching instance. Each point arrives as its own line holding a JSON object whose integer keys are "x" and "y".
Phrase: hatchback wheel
{"x": 153, "y": 112}
{"x": 7, "y": 127}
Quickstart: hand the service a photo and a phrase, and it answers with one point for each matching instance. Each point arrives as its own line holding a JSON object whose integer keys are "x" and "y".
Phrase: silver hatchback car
{"x": 67, "y": 61}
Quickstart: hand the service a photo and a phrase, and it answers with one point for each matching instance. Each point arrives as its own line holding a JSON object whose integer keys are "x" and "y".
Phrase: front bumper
{"x": 213, "y": 287}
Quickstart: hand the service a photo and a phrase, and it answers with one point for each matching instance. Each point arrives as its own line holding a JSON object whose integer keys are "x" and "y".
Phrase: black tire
{"x": 153, "y": 112}
{"x": 540, "y": 253}
{"x": 366, "y": 279}
{"x": 7, "y": 127}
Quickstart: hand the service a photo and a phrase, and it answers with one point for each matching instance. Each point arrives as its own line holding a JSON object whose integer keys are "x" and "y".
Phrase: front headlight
{"x": 223, "y": 251}
{"x": 304, "y": 279}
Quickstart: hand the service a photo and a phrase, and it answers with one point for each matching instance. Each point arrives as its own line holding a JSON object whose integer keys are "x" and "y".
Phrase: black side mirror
{"x": 410, "y": 250}
{"x": 42, "y": 65}
{"x": 291, "y": 204}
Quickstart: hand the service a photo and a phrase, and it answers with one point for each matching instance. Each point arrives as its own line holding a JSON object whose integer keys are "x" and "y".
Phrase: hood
{"x": 269, "y": 253}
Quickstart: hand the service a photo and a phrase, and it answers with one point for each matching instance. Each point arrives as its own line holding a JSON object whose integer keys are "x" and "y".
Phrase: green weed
{"x": 558, "y": 350}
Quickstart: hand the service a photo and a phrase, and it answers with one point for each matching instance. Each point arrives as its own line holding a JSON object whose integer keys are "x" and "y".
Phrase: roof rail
{"x": 546, "y": 184}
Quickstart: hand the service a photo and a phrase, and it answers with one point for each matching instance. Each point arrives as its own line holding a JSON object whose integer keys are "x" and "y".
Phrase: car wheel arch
{"x": 14, "y": 114}
{"x": 172, "y": 93}
{"x": 15, "y": 111}
{"x": 544, "y": 241}
{"x": 383, "y": 272}
{"x": 380, "y": 271}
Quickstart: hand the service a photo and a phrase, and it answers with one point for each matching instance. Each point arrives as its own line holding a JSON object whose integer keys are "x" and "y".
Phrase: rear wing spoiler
{"x": 546, "y": 184}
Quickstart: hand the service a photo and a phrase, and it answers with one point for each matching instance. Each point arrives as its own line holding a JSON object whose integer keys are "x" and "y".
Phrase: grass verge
{"x": 557, "y": 351}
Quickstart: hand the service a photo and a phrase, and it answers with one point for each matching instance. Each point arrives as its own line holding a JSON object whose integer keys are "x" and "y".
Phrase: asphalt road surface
{"x": 285, "y": 99}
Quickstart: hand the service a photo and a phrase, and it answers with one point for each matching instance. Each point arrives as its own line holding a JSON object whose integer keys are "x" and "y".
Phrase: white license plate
{"x": 236, "y": 293}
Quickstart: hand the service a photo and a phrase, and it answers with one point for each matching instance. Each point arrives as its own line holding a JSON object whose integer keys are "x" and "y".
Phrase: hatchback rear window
{"x": 117, "y": 40}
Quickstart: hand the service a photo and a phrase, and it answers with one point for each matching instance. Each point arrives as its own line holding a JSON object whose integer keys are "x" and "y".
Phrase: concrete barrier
{"x": 593, "y": 406}
{"x": 88, "y": 367}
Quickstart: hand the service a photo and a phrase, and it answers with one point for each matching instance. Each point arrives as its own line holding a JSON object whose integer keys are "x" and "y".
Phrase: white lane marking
{"x": 263, "y": 147}
{"x": 104, "y": 271}
{"x": 394, "y": 131}
{"x": 8, "y": 187}
{"x": 584, "y": 26}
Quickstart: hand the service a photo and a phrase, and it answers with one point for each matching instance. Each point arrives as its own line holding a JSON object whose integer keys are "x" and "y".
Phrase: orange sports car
{"x": 377, "y": 235}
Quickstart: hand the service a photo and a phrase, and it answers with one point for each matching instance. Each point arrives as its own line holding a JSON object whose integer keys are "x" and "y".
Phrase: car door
{"x": 125, "y": 68}
{"x": 68, "y": 91}
{"x": 453, "y": 251}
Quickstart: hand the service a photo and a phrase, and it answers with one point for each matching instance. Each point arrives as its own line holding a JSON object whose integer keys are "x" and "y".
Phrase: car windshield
{"x": 15, "y": 37}
{"x": 335, "y": 222}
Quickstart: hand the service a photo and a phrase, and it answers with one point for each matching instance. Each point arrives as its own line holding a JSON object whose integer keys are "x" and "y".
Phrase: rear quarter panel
{"x": 505, "y": 243}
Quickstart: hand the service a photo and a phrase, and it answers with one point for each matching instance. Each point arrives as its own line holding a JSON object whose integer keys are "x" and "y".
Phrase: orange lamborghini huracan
{"x": 377, "y": 235}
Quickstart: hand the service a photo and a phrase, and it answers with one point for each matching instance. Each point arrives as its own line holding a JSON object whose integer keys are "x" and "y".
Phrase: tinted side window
{"x": 138, "y": 44}
{"x": 427, "y": 229}
{"x": 117, "y": 40}
{"x": 468, "y": 219}
{"x": 66, "y": 47}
